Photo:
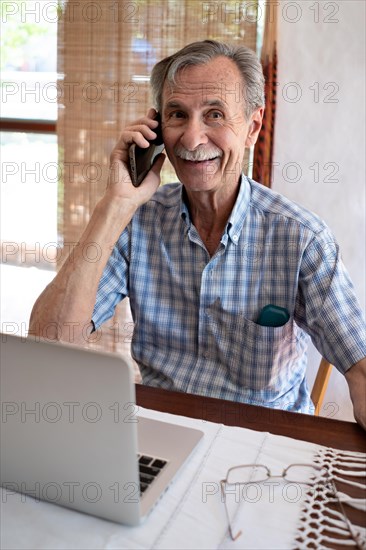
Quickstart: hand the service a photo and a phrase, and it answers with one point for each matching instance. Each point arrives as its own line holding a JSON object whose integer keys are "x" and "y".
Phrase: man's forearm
{"x": 64, "y": 309}
{"x": 356, "y": 379}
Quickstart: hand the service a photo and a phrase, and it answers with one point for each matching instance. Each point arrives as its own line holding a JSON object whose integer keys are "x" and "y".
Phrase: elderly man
{"x": 200, "y": 260}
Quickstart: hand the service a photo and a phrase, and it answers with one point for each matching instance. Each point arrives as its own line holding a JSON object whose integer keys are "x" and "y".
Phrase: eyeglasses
{"x": 303, "y": 474}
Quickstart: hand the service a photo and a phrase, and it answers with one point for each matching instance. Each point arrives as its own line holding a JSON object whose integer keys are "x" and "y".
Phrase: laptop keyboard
{"x": 149, "y": 468}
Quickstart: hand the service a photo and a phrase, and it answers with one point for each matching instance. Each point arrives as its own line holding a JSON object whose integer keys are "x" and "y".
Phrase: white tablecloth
{"x": 191, "y": 513}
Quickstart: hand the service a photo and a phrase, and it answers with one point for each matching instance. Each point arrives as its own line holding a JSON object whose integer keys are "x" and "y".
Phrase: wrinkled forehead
{"x": 216, "y": 81}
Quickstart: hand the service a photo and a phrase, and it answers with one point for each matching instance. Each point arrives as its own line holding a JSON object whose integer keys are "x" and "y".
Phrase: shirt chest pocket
{"x": 257, "y": 357}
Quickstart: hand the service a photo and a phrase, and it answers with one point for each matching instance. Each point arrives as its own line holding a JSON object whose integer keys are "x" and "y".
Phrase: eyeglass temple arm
{"x": 238, "y": 534}
{"x": 354, "y": 534}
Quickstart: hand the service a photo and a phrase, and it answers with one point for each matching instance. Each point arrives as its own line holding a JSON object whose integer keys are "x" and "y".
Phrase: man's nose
{"x": 194, "y": 134}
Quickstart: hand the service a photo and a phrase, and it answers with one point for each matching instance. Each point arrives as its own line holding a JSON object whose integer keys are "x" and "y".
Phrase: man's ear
{"x": 254, "y": 127}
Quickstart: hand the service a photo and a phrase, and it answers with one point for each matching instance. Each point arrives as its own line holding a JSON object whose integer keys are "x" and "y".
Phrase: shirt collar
{"x": 237, "y": 216}
{"x": 239, "y": 212}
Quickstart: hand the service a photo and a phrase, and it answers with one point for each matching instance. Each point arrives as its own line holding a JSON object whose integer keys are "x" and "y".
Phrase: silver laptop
{"x": 71, "y": 433}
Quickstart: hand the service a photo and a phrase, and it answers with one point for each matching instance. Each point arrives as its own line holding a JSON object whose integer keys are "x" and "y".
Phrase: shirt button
{"x": 235, "y": 238}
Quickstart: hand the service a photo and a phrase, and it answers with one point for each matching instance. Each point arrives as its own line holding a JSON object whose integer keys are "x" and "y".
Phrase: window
{"x": 29, "y": 170}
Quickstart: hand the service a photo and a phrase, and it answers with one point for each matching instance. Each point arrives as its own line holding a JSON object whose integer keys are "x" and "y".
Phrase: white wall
{"x": 311, "y": 129}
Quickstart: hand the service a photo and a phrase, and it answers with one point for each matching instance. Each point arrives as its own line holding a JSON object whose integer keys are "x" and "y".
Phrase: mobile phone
{"x": 273, "y": 316}
{"x": 141, "y": 159}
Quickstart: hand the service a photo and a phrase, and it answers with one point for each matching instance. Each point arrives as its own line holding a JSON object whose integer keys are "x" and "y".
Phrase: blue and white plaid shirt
{"x": 195, "y": 315}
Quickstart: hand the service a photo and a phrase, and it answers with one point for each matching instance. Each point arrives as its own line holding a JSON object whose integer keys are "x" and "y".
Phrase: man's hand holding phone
{"x": 141, "y": 159}
{"x": 137, "y": 137}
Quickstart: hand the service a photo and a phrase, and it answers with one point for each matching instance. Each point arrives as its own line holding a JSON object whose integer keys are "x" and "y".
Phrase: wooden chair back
{"x": 320, "y": 384}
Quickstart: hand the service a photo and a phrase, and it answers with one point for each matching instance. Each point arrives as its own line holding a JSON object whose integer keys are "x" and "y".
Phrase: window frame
{"x": 28, "y": 125}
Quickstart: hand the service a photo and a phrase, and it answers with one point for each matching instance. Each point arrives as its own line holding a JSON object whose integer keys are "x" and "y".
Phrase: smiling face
{"x": 204, "y": 126}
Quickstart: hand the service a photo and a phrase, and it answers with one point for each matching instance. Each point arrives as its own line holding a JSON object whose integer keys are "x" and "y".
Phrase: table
{"x": 316, "y": 429}
{"x": 48, "y": 526}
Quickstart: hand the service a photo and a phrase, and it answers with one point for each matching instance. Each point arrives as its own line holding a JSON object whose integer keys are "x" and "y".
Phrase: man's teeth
{"x": 204, "y": 160}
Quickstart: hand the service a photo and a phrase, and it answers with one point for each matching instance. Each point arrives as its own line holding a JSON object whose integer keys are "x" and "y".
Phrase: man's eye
{"x": 215, "y": 115}
{"x": 176, "y": 114}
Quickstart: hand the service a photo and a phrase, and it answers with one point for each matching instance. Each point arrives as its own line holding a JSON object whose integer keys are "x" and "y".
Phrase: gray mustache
{"x": 198, "y": 154}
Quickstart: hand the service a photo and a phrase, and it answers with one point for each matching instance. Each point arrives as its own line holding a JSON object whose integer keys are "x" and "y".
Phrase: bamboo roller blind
{"x": 106, "y": 51}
